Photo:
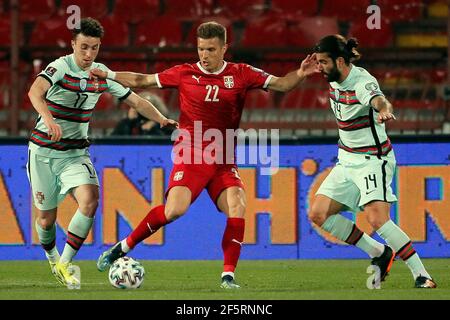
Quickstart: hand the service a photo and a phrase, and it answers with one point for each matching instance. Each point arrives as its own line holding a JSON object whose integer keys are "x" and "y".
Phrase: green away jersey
{"x": 71, "y": 100}
{"x": 359, "y": 131}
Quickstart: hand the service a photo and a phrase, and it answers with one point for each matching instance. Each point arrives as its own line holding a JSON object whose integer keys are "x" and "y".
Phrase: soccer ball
{"x": 126, "y": 273}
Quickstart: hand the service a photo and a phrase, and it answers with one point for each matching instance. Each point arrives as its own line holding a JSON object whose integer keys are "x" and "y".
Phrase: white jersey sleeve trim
{"x": 157, "y": 81}
{"x": 266, "y": 84}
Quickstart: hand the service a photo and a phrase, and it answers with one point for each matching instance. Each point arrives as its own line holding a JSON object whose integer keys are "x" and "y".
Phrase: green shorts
{"x": 355, "y": 184}
{"x": 52, "y": 178}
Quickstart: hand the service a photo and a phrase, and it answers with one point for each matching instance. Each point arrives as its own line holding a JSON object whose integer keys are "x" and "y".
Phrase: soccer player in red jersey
{"x": 212, "y": 95}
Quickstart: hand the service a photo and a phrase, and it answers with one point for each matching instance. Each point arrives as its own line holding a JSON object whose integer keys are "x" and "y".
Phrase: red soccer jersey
{"x": 216, "y": 99}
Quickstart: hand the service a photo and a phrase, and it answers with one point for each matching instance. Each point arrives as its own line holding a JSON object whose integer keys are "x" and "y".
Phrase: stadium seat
{"x": 138, "y": 66}
{"x": 5, "y": 31}
{"x": 401, "y": 10}
{"x": 372, "y": 38}
{"x": 191, "y": 9}
{"x": 168, "y": 32}
{"x": 291, "y": 100}
{"x": 36, "y": 10}
{"x": 265, "y": 32}
{"x": 307, "y": 31}
{"x": 89, "y": 8}
{"x": 259, "y": 99}
{"x": 116, "y": 31}
{"x": 105, "y": 102}
{"x": 136, "y": 11}
{"x": 344, "y": 9}
{"x": 243, "y": 9}
{"x": 289, "y": 7}
{"x": 51, "y": 32}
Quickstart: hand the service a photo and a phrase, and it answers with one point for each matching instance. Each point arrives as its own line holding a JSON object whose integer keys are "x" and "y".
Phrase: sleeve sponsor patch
{"x": 50, "y": 71}
{"x": 371, "y": 86}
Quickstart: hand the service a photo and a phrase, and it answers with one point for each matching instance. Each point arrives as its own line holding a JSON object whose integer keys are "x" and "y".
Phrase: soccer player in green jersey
{"x": 58, "y": 159}
{"x": 362, "y": 177}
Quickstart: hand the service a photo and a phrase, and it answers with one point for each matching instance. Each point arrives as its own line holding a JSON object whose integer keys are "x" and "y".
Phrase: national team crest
{"x": 228, "y": 81}
{"x": 337, "y": 94}
{"x": 178, "y": 175}
{"x": 83, "y": 84}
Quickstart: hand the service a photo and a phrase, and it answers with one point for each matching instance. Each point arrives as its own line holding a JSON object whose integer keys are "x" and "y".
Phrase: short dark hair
{"x": 89, "y": 27}
{"x": 212, "y": 29}
{"x": 337, "y": 46}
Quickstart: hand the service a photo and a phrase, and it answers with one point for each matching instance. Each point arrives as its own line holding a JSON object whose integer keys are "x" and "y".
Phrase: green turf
{"x": 262, "y": 280}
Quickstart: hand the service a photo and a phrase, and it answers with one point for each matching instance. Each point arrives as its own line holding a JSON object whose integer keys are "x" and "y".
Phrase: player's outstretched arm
{"x": 294, "y": 78}
{"x": 148, "y": 110}
{"x": 384, "y": 107}
{"x": 37, "y": 97}
{"x": 127, "y": 79}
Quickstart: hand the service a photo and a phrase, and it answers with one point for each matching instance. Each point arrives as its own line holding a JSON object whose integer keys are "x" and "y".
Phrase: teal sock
{"x": 77, "y": 232}
{"x": 47, "y": 238}
{"x": 401, "y": 244}
{"x": 345, "y": 230}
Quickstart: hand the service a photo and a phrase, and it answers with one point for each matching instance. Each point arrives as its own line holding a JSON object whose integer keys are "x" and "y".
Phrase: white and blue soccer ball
{"x": 126, "y": 273}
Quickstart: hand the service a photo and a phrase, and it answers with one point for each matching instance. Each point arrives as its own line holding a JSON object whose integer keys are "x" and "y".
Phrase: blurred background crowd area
{"x": 408, "y": 55}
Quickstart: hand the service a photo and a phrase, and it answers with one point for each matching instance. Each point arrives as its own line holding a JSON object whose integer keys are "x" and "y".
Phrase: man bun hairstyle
{"x": 212, "y": 29}
{"x": 337, "y": 46}
{"x": 89, "y": 27}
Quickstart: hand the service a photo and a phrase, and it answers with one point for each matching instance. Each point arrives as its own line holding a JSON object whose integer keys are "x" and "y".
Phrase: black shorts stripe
{"x": 383, "y": 172}
{"x": 125, "y": 95}
{"x": 374, "y": 133}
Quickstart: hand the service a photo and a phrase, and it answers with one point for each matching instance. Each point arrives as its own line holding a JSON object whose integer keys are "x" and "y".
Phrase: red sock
{"x": 154, "y": 220}
{"x": 232, "y": 242}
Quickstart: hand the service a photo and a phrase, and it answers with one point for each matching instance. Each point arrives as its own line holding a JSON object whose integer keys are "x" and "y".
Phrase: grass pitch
{"x": 199, "y": 280}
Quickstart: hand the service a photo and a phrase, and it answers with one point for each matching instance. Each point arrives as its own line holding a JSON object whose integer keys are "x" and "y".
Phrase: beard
{"x": 334, "y": 75}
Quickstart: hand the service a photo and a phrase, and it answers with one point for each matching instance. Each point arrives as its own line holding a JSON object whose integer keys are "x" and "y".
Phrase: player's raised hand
{"x": 385, "y": 116}
{"x": 169, "y": 123}
{"x": 97, "y": 73}
{"x": 54, "y": 129}
{"x": 309, "y": 66}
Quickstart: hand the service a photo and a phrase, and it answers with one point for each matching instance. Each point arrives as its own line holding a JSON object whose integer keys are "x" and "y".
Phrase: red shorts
{"x": 214, "y": 177}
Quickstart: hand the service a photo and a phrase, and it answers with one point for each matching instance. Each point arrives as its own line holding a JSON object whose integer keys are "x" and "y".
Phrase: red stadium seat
{"x": 265, "y": 32}
{"x": 344, "y": 9}
{"x": 136, "y": 11}
{"x": 401, "y": 10}
{"x": 51, "y": 32}
{"x": 303, "y": 7}
{"x": 372, "y": 38}
{"x": 105, "y": 102}
{"x": 438, "y": 75}
{"x": 36, "y": 10}
{"x": 242, "y": 9}
{"x": 259, "y": 99}
{"x": 89, "y": 8}
{"x": 307, "y": 31}
{"x": 133, "y": 66}
{"x": 5, "y": 31}
{"x": 291, "y": 100}
{"x": 189, "y": 8}
{"x": 116, "y": 31}
{"x": 159, "y": 32}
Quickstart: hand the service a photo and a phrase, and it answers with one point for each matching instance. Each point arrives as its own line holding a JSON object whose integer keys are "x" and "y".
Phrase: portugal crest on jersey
{"x": 228, "y": 81}
{"x": 83, "y": 84}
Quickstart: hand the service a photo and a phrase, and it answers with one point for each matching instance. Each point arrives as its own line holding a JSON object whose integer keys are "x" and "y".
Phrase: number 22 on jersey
{"x": 212, "y": 92}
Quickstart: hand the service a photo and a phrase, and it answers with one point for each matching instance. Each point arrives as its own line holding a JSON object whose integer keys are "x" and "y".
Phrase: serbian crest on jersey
{"x": 228, "y": 81}
{"x": 83, "y": 84}
{"x": 178, "y": 175}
